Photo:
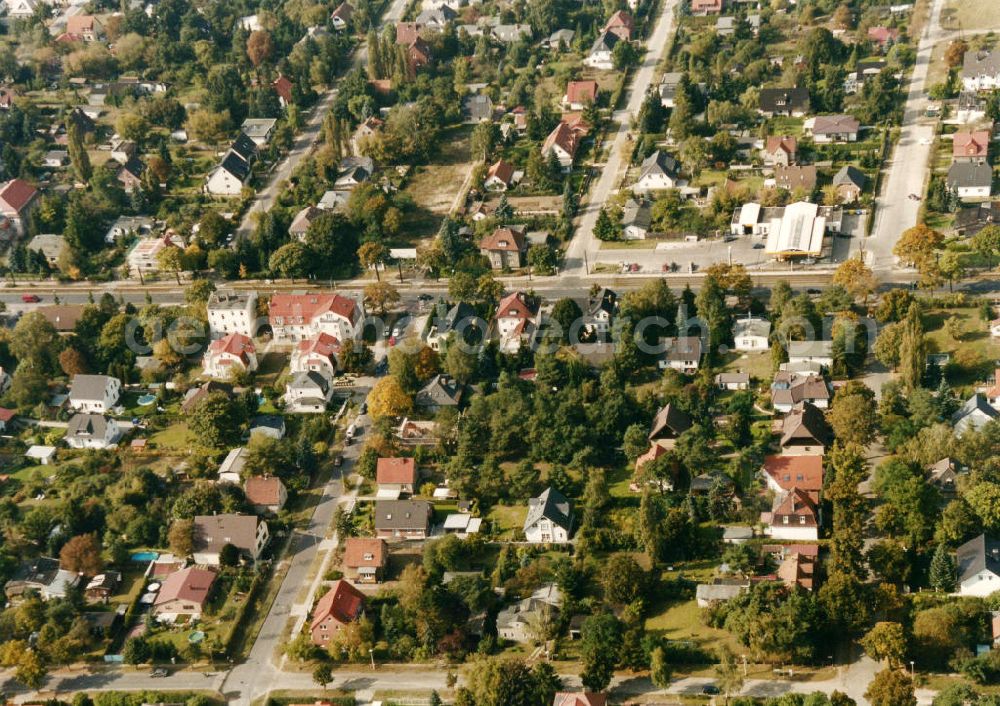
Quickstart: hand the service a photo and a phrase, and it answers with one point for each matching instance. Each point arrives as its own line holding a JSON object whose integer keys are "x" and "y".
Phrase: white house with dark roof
{"x": 682, "y": 353}
{"x": 978, "y": 566}
{"x": 751, "y": 334}
{"x": 308, "y": 392}
{"x": 659, "y": 171}
{"x": 92, "y": 431}
{"x": 973, "y": 415}
{"x": 232, "y": 312}
{"x": 602, "y": 51}
{"x": 549, "y": 519}
{"x": 94, "y": 393}
{"x": 980, "y": 70}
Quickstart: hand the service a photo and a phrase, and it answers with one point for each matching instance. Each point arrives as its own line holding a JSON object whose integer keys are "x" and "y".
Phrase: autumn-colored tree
{"x": 82, "y": 555}
{"x": 855, "y": 277}
{"x": 388, "y": 399}
{"x": 891, "y": 687}
{"x": 259, "y": 47}
{"x": 381, "y": 295}
{"x": 885, "y": 642}
{"x": 917, "y": 244}
{"x": 843, "y": 17}
{"x": 164, "y": 352}
{"x": 72, "y": 362}
{"x": 180, "y": 537}
{"x": 427, "y": 364}
{"x": 955, "y": 53}
{"x": 373, "y": 255}
{"x": 170, "y": 260}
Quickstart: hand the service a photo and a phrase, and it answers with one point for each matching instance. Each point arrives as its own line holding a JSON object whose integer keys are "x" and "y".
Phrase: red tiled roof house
{"x": 366, "y": 557}
{"x": 229, "y": 353}
{"x": 341, "y": 605}
{"x": 395, "y": 476}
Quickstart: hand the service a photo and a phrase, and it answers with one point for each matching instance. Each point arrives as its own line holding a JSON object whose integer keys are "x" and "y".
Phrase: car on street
{"x": 710, "y": 690}
{"x": 424, "y": 298}
{"x": 758, "y": 246}
{"x": 338, "y": 462}
{"x": 30, "y": 298}
{"x": 364, "y": 408}
{"x": 158, "y": 673}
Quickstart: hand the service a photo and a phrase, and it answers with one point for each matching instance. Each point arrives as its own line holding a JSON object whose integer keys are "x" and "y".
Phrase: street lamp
{"x": 371, "y": 653}
{"x": 911, "y": 668}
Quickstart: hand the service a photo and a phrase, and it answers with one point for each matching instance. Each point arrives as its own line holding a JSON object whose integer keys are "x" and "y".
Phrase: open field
{"x": 973, "y": 354}
{"x": 432, "y": 187}
{"x": 971, "y": 14}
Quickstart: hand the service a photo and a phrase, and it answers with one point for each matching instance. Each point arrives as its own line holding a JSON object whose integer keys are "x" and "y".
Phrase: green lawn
{"x": 757, "y": 364}
{"x": 508, "y": 519}
{"x": 174, "y": 438}
{"x": 972, "y": 355}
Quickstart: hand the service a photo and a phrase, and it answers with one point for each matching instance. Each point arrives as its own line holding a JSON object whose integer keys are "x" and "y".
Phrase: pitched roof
{"x": 795, "y": 176}
{"x": 356, "y": 549}
{"x": 797, "y": 570}
{"x": 796, "y": 502}
{"x": 805, "y": 423}
{"x": 579, "y": 698}
{"x": 659, "y": 163}
{"x": 976, "y": 555}
{"x": 402, "y": 514}
{"x": 407, "y": 32}
{"x": 751, "y": 327}
{"x": 962, "y": 174}
{"x": 442, "y": 390}
{"x": 581, "y": 91}
{"x": 396, "y": 470}
{"x": 343, "y": 602}
{"x": 551, "y": 505}
{"x": 89, "y": 425}
{"x": 974, "y": 143}
{"x": 212, "y": 532}
{"x": 881, "y": 35}
{"x": 605, "y": 42}
{"x": 805, "y": 472}
{"x": 244, "y": 147}
{"x": 669, "y": 419}
{"x": 849, "y": 174}
{"x": 263, "y": 490}
{"x": 303, "y": 308}
{"x": 15, "y": 195}
{"x": 975, "y": 404}
{"x": 620, "y": 19}
{"x": 504, "y": 239}
{"x": 564, "y": 137}
{"x": 789, "y": 388}
{"x": 783, "y": 99}
{"x": 191, "y": 585}
{"x": 683, "y": 348}
{"x": 89, "y": 387}
{"x": 976, "y": 63}
{"x": 344, "y": 11}
{"x": 322, "y": 344}
{"x": 835, "y": 124}
{"x": 502, "y": 170}
{"x": 785, "y": 143}
{"x": 303, "y": 219}
{"x": 235, "y": 344}
{"x": 283, "y": 87}
{"x": 515, "y": 305}
{"x": 236, "y": 166}
{"x": 606, "y": 301}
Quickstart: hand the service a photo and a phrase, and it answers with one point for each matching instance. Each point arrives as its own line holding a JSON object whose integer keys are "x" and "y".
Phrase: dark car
{"x": 338, "y": 462}
{"x": 710, "y": 689}
{"x": 424, "y": 298}
{"x": 159, "y": 672}
{"x": 758, "y": 246}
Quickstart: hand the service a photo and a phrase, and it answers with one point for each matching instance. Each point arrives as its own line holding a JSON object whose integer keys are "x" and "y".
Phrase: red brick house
{"x": 341, "y": 605}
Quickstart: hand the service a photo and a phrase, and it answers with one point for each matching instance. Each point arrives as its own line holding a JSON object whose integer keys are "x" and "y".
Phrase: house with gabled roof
{"x": 308, "y": 392}
{"x": 130, "y": 174}
{"x": 86, "y": 27}
{"x": 402, "y": 519}
{"x": 794, "y": 516}
{"x": 340, "y": 18}
{"x": 657, "y": 172}
{"x": 783, "y": 473}
{"x": 790, "y": 388}
{"x": 231, "y": 352}
{"x": 849, "y": 182}
{"x": 793, "y": 102}
{"x": 834, "y": 128}
{"x": 441, "y": 391}
{"x": 317, "y": 353}
{"x": 500, "y": 176}
{"x": 267, "y": 494}
{"x": 92, "y": 431}
{"x": 600, "y": 311}
{"x": 780, "y": 150}
{"x": 980, "y": 70}
{"x": 18, "y": 199}
{"x": 294, "y": 317}
{"x": 248, "y": 533}
{"x": 621, "y": 24}
{"x": 883, "y": 37}
{"x": 973, "y": 415}
{"x": 580, "y": 94}
{"x": 549, "y": 519}
{"x": 706, "y": 7}
{"x": 505, "y": 248}
{"x": 970, "y": 180}
{"x": 601, "y": 54}
{"x": 563, "y": 142}
{"x": 517, "y": 320}
{"x": 303, "y": 219}
{"x": 395, "y": 476}
{"x": 579, "y": 698}
{"x": 805, "y": 430}
{"x": 94, "y": 393}
{"x": 340, "y": 605}
{"x": 978, "y": 566}
{"x": 444, "y": 323}
{"x": 751, "y": 334}
{"x": 681, "y": 353}
{"x": 229, "y": 178}
{"x": 971, "y": 146}
{"x": 518, "y": 622}
{"x": 668, "y": 424}
{"x": 183, "y": 595}
{"x": 283, "y": 87}
{"x": 367, "y": 557}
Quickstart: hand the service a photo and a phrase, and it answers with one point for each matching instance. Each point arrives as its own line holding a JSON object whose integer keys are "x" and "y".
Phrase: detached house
{"x": 309, "y": 392}
{"x": 835, "y": 128}
{"x": 706, "y": 7}
{"x": 579, "y": 698}
{"x": 303, "y": 219}
{"x": 500, "y": 176}
{"x": 783, "y": 473}
{"x": 402, "y": 519}
{"x": 668, "y": 88}
{"x": 248, "y": 533}
{"x": 267, "y": 494}
{"x": 971, "y": 146}
{"x": 183, "y": 595}
{"x": 86, "y": 27}
{"x": 563, "y": 142}
{"x": 973, "y": 415}
{"x": 794, "y": 516}
{"x": 682, "y": 354}
{"x": 294, "y": 317}
{"x": 751, "y": 334}
{"x": 341, "y": 605}
{"x": 18, "y": 199}
{"x": 668, "y": 424}
{"x": 232, "y": 352}
{"x": 820, "y": 352}
{"x": 849, "y": 182}
{"x": 789, "y": 389}
{"x": 367, "y": 557}
{"x": 621, "y": 24}
{"x": 229, "y": 178}
{"x": 130, "y": 174}
{"x": 232, "y": 312}
{"x": 580, "y": 94}
{"x": 505, "y": 248}
{"x": 92, "y": 431}
{"x": 395, "y": 476}
{"x": 94, "y": 393}
{"x": 517, "y": 319}
{"x": 518, "y": 623}
{"x": 601, "y": 309}
{"x": 340, "y": 18}
{"x": 461, "y": 315}
{"x": 780, "y": 150}
{"x": 805, "y": 431}
{"x": 637, "y": 218}
{"x": 980, "y": 70}
{"x": 793, "y": 102}
{"x": 283, "y": 87}
{"x": 978, "y": 566}
{"x": 316, "y": 354}
{"x": 549, "y": 519}
{"x": 658, "y": 171}
{"x": 795, "y": 177}
{"x": 442, "y": 391}
{"x": 601, "y": 54}
{"x": 970, "y": 180}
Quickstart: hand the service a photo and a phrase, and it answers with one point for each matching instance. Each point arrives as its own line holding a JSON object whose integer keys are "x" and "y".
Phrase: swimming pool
{"x": 146, "y": 399}
{"x": 145, "y": 556}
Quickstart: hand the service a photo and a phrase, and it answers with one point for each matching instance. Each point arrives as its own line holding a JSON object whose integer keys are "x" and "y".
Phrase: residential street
{"x": 908, "y": 164}
{"x": 620, "y": 147}
{"x": 308, "y": 137}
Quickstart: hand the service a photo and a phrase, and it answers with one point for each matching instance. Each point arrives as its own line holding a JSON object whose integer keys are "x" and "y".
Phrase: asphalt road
{"x": 908, "y": 166}
{"x": 619, "y": 152}
{"x": 309, "y": 136}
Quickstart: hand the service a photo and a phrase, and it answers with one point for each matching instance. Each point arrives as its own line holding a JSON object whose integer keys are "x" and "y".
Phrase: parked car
{"x": 30, "y": 298}
{"x": 710, "y": 689}
{"x": 338, "y": 462}
{"x": 159, "y": 672}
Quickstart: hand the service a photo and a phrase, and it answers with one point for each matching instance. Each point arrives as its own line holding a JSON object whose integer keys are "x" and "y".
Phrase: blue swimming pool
{"x": 145, "y": 556}
{"x": 146, "y": 399}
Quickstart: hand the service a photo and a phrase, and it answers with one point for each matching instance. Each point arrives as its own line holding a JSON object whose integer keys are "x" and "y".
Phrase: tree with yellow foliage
{"x": 388, "y": 399}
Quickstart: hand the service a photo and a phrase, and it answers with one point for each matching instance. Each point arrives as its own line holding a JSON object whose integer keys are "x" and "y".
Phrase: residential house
{"x": 49, "y": 245}
{"x": 505, "y": 248}
{"x": 992, "y": 393}
{"x": 732, "y": 381}
{"x": 269, "y": 425}
{"x": 194, "y": 396}
{"x": 601, "y": 310}
{"x": 129, "y": 227}
{"x": 231, "y": 468}
{"x": 971, "y": 146}
{"x": 18, "y": 199}
{"x": 367, "y": 557}
{"x": 340, "y": 18}
{"x": 441, "y": 391}
{"x": 294, "y": 317}
{"x": 796, "y": 177}
{"x": 601, "y": 54}
{"x": 805, "y": 431}
{"x": 658, "y": 171}
{"x": 369, "y": 128}
{"x": 519, "y": 622}
{"x": 318, "y": 354}
{"x": 798, "y": 567}
{"x": 478, "y": 108}
{"x": 395, "y": 476}
{"x": 849, "y": 182}
{"x": 508, "y": 34}
{"x": 230, "y": 311}
{"x": 55, "y": 159}
{"x": 784, "y": 472}
{"x": 834, "y": 128}
{"x": 706, "y": 7}
{"x": 92, "y": 431}
{"x": 558, "y": 39}
{"x": 500, "y": 176}
{"x": 436, "y": 18}
{"x": 637, "y": 218}
{"x": 883, "y": 37}
{"x": 233, "y": 352}
{"x": 412, "y": 432}
{"x": 978, "y": 566}
{"x": 101, "y": 587}
{"x": 248, "y": 533}
{"x": 283, "y": 87}
{"x": 517, "y": 320}
{"x": 418, "y": 54}
{"x": 6, "y": 415}
{"x": 353, "y": 171}
{"x": 340, "y": 605}
{"x": 229, "y": 177}
{"x": 402, "y": 519}
{"x": 789, "y": 389}
{"x": 973, "y": 415}
{"x": 863, "y": 72}
{"x": 144, "y": 255}
{"x": 183, "y": 595}
{"x": 751, "y": 334}
{"x": 943, "y": 475}
{"x": 719, "y": 591}
{"x": 820, "y": 352}
{"x": 668, "y": 87}
{"x": 579, "y": 698}
{"x": 303, "y": 219}
{"x": 41, "y": 576}
{"x": 621, "y": 24}
{"x": 122, "y": 150}
{"x": 259, "y": 130}
{"x": 94, "y": 393}
{"x": 308, "y": 392}
{"x": 580, "y": 94}
{"x": 668, "y": 424}
{"x": 793, "y": 102}
{"x": 980, "y": 70}
{"x": 19, "y": 9}
{"x": 563, "y": 142}
{"x": 334, "y": 199}
{"x": 780, "y": 150}
{"x": 459, "y": 317}
{"x": 970, "y": 180}
{"x": 794, "y": 516}
{"x": 549, "y": 519}
{"x": 130, "y": 174}
{"x": 682, "y": 353}
{"x": 725, "y": 26}
{"x": 86, "y": 27}
{"x": 267, "y": 494}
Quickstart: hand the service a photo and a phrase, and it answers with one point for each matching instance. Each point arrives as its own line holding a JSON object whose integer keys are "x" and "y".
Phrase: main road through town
{"x": 619, "y": 151}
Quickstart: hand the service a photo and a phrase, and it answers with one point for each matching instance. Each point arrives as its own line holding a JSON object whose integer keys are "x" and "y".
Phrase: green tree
{"x": 78, "y": 156}
{"x": 606, "y": 228}
{"x": 912, "y": 349}
{"x": 600, "y": 637}
{"x": 886, "y": 642}
{"x": 322, "y": 675}
{"x": 217, "y": 421}
{"x": 373, "y": 255}
{"x": 987, "y": 243}
{"x": 891, "y": 687}
{"x": 853, "y": 414}
{"x": 943, "y": 571}
{"x": 659, "y": 668}
{"x": 291, "y": 260}
{"x": 728, "y": 674}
